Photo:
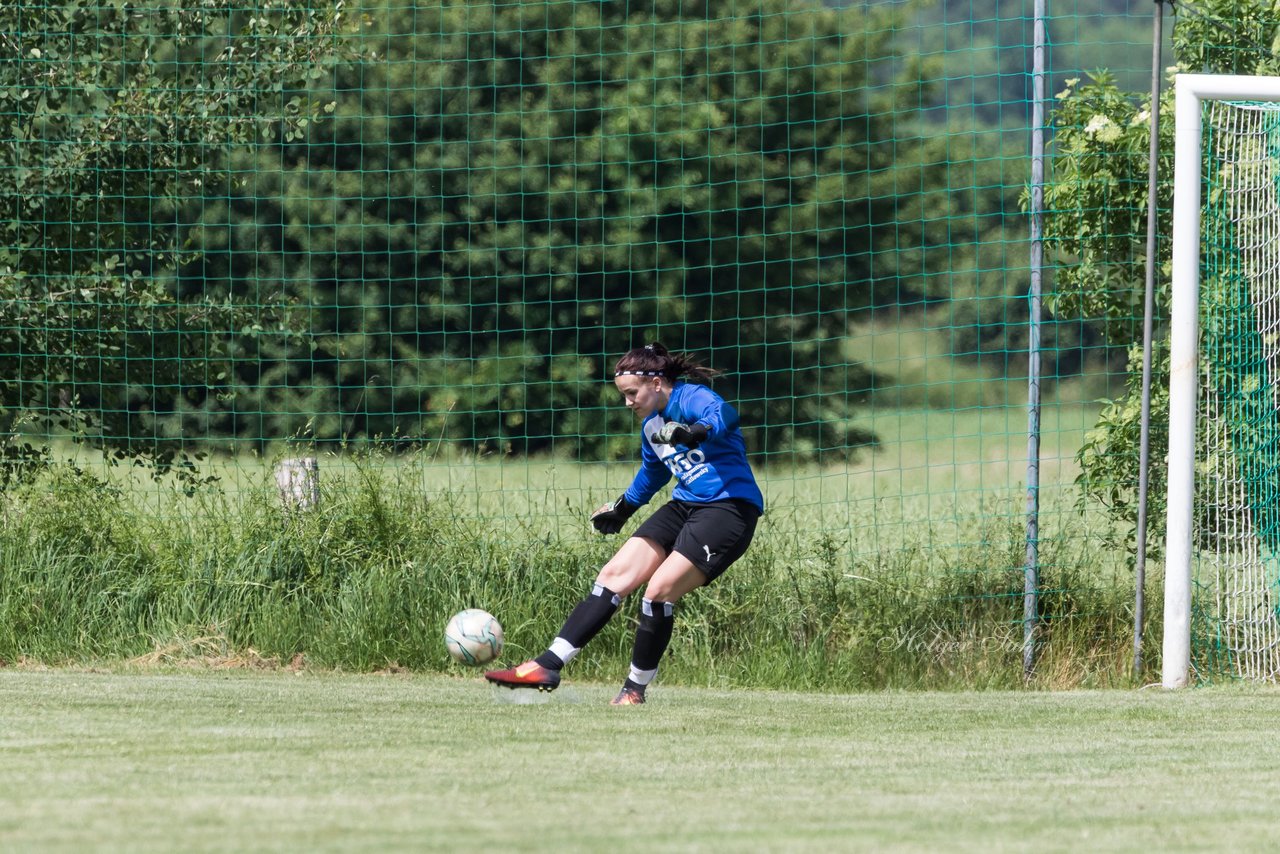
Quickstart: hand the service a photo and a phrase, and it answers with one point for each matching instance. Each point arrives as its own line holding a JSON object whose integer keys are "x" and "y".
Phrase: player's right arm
{"x": 652, "y": 476}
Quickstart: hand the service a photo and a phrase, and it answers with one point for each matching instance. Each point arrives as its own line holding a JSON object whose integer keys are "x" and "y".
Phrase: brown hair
{"x": 655, "y": 360}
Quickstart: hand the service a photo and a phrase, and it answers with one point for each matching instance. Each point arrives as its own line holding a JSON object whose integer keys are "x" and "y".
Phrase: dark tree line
{"x": 444, "y": 222}
{"x": 512, "y": 194}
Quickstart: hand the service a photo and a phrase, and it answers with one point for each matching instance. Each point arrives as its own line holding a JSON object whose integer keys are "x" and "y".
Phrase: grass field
{"x": 247, "y": 760}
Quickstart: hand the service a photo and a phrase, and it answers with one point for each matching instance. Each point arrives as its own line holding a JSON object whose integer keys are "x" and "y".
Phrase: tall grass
{"x": 94, "y": 569}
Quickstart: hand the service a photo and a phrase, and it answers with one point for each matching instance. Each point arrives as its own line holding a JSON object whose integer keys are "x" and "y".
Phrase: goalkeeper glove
{"x": 675, "y": 433}
{"x": 609, "y": 518}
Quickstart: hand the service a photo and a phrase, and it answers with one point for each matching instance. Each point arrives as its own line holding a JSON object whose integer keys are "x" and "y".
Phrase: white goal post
{"x": 1186, "y": 374}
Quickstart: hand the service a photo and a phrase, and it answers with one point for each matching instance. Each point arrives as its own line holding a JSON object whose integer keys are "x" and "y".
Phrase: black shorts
{"x": 712, "y": 536}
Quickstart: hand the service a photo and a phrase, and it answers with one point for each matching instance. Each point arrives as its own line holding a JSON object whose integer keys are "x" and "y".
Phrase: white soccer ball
{"x": 473, "y": 637}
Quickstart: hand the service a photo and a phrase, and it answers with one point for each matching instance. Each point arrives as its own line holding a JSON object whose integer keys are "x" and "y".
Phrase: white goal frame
{"x": 1191, "y": 90}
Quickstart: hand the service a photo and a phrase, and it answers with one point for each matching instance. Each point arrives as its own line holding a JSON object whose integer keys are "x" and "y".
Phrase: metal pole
{"x": 1148, "y": 314}
{"x": 1031, "y": 582}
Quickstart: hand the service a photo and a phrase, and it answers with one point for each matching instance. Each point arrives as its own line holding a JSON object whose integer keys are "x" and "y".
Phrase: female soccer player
{"x": 688, "y": 431}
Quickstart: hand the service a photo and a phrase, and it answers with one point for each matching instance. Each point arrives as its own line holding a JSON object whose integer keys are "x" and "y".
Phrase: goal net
{"x": 1227, "y": 566}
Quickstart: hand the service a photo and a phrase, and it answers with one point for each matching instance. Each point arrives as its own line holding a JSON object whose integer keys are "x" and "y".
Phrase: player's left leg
{"x": 712, "y": 538}
{"x": 672, "y": 580}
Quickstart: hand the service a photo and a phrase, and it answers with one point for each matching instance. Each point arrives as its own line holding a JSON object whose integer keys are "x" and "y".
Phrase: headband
{"x": 638, "y": 374}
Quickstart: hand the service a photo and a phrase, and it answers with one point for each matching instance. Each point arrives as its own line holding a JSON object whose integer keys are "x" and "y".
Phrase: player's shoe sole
{"x": 628, "y": 697}
{"x": 527, "y": 675}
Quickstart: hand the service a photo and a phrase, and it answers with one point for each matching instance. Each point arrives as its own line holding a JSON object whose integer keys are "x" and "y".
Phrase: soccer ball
{"x": 473, "y": 637}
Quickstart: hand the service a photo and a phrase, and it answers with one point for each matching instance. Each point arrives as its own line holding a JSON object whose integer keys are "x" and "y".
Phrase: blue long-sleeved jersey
{"x": 716, "y": 470}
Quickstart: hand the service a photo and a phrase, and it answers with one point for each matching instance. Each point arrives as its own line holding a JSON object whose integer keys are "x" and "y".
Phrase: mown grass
{"x": 904, "y": 570}
{"x": 204, "y": 760}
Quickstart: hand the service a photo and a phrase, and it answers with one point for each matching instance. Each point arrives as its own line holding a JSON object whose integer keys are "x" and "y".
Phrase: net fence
{"x": 1235, "y": 524}
{"x": 413, "y": 237}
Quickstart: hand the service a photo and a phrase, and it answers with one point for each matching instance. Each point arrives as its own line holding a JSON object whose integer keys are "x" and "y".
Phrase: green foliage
{"x": 1110, "y": 465}
{"x": 1096, "y": 222}
{"x": 510, "y": 195}
{"x": 1096, "y": 204}
{"x": 500, "y": 200}
{"x": 113, "y": 115}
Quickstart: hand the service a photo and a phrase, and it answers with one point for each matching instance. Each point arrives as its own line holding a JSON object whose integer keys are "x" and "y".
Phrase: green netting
{"x": 1237, "y": 523}
{"x": 409, "y": 240}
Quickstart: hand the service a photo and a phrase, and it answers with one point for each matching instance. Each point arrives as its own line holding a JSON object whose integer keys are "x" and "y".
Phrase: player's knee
{"x": 632, "y": 566}
{"x": 620, "y": 577}
{"x": 669, "y": 585}
{"x": 661, "y": 590}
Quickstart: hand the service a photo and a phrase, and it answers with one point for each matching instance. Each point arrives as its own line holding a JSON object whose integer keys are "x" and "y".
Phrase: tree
{"x": 513, "y": 193}
{"x": 115, "y": 116}
{"x": 1096, "y": 204}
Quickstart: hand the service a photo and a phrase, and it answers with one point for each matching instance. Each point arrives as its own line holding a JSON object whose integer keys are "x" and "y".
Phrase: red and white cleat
{"x": 531, "y": 674}
{"x": 628, "y": 696}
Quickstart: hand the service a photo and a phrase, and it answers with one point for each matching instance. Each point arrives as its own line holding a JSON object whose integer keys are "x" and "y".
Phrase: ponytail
{"x": 655, "y": 360}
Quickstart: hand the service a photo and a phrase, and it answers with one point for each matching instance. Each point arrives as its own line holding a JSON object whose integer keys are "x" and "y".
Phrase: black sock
{"x": 583, "y": 623}
{"x": 550, "y": 660}
{"x": 653, "y": 634}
